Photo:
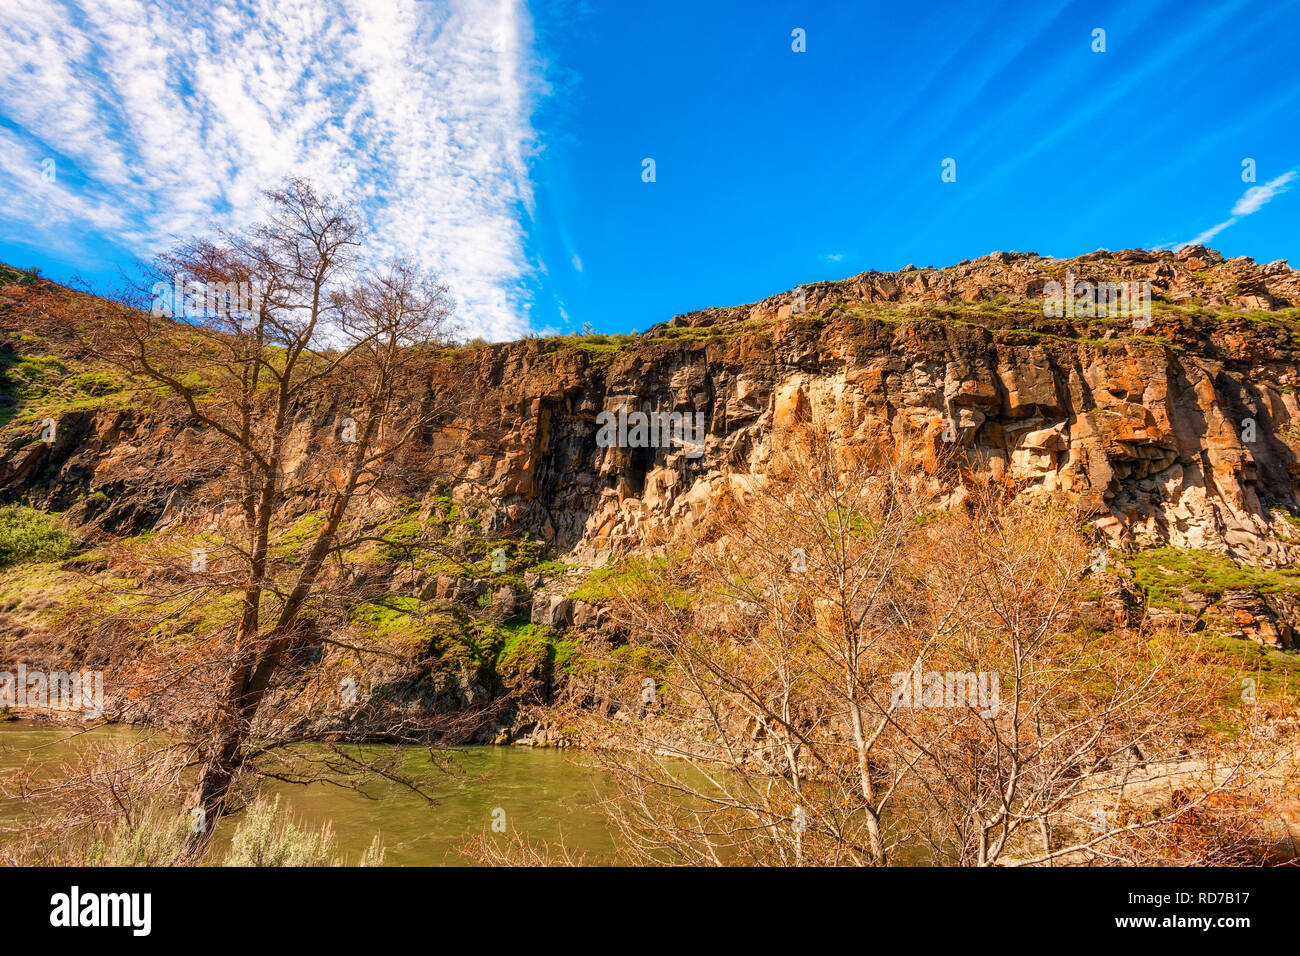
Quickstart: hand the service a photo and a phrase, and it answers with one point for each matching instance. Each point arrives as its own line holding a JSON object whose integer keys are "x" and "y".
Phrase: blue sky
{"x": 503, "y": 142}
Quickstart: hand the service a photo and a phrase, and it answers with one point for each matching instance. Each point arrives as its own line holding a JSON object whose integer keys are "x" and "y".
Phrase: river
{"x": 544, "y": 794}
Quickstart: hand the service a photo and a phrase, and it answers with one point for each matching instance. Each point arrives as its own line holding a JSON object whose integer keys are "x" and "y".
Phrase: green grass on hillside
{"x": 33, "y": 386}
{"x": 9, "y": 274}
{"x": 1164, "y": 574}
{"x": 633, "y": 578}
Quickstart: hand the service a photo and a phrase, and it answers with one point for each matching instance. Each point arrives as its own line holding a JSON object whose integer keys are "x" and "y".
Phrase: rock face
{"x": 1185, "y": 431}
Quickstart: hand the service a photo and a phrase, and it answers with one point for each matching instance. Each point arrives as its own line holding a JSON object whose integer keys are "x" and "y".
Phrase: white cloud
{"x": 1251, "y": 201}
{"x": 1257, "y": 196}
{"x": 1207, "y": 235}
{"x": 577, "y": 262}
{"x": 166, "y": 117}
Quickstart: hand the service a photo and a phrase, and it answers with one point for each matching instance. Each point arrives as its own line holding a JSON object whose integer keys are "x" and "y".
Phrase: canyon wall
{"x": 1180, "y": 431}
{"x": 1186, "y": 432}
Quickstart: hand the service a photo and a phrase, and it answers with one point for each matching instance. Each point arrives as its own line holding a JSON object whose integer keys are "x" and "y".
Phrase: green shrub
{"x": 30, "y": 535}
{"x": 636, "y": 660}
{"x": 526, "y": 647}
{"x": 401, "y": 538}
{"x": 460, "y": 640}
{"x": 22, "y": 276}
{"x": 550, "y": 568}
{"x": 155, "y": 837}
{"x": 268, "y": 836}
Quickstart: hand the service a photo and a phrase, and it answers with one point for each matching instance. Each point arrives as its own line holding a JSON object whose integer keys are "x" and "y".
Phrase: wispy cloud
{"x": 1251, "y": 201}
{"x": 163, "y": 117}
{"x": 1257, "y": 196}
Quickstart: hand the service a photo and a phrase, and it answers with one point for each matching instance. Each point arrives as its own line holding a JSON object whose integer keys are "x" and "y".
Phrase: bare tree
{"x": 769, "y": 703}
{"x": 317, "y": 334}
{"x": 1090, "y": 723}
{"x": 860, "y": 665}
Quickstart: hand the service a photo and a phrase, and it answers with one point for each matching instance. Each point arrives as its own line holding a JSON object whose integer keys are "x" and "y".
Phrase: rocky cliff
{"x": 1182, "y": 431}
{"x": 1185, "y": 432}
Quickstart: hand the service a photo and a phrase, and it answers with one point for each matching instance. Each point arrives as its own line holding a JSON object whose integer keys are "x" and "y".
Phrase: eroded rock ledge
{"x": 1185, "y": 433}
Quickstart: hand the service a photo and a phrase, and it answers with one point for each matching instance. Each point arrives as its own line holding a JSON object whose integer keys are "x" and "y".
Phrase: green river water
{"x": 545, "y": 794}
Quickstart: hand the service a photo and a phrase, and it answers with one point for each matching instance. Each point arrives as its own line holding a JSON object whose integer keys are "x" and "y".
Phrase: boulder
{"x": 552, "y": 610}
